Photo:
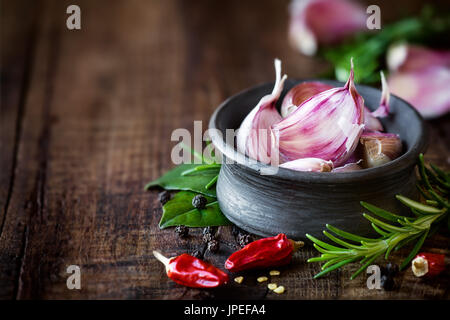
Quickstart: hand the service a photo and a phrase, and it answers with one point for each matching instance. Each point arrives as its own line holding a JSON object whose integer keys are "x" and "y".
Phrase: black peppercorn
{"x": 199, "y": 201}
{"x": 182, "y": 231}
{"x": 391, "y": 269}
{"x": 244, "y": 239}
{"x": 213, "y": 246}
{"x": 164, "y": 197}
{"x": 387, "y": 282}
{"x": 207, "y": 237}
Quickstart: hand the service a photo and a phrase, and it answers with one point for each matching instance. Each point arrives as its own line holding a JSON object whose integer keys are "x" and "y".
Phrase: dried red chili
{"x": 192, "y": 272}
{"x": 430, "y": 264}
{"x": 267, "y": 252}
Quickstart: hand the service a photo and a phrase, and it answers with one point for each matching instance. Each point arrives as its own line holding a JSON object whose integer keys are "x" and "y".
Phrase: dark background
{"x": 86, "y": 119}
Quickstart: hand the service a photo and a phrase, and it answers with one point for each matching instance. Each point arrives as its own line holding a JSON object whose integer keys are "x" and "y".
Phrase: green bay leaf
{"x": 180, "y": 211}
{"x": 174, "y": 180}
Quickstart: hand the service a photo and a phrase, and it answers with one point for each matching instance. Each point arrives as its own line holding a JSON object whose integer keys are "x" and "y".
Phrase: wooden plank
{"x": 96, "y": 122}
{"x": 17, "y": 29}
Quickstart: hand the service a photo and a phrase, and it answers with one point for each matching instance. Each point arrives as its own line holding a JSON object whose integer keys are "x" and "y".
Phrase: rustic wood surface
{"x": 86, "y": 119}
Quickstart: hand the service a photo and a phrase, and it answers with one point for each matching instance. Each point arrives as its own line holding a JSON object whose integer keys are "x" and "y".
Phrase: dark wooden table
{"x": 86, "y": 119}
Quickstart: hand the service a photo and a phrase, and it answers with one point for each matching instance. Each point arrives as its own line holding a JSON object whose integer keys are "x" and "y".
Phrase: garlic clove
{"x": 309, "y": 164}
{"x": 371, "y": 122}
{"x": 426, "y": 90}
{"x": 254, "y": 137}
{"x": 326, "y": 126}
{"x": 303, "y": 91}
{"x": 299, "y": 94}
{"x": 383, "y": 109}
{"x": 380, "y": 148}
{"x": 314, "y": 22}
{"x": 348, "y": 167}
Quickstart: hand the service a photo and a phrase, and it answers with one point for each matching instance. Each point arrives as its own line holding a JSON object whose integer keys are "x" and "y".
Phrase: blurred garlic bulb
{"x": 254, "y": 137}
{"x": 326, "y": 126}
{"x": 380, "y": 148}
{"x": 315, "y": 22}
{"x": 422, "y": 77}
{"x": 309, "y": 164}
{"x": 403, "y": 57}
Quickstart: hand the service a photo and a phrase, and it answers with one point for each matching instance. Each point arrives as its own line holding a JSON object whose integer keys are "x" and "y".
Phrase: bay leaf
{"x": 180, "y": 211}
{"x": 174, "y": 180}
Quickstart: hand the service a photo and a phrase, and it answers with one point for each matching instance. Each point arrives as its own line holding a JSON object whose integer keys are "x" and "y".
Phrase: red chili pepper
{"x": 267, "y": 252}
{"x": 430, "y": 264}
{"x": 192, "y": 272}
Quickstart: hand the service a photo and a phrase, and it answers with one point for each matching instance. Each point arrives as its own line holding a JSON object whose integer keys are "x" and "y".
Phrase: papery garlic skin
{"x": 326, "y": 126}
{"x": 315, "y": 22}
{"x": 254, "y": 137}
{"x": 380, "y": 148}
{"x": 309, "y": 164}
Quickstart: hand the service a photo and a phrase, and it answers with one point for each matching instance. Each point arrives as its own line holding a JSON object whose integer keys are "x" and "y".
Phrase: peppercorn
{"x": 391, "y": 269}
{"x": 387, "y": 282}
{"x": 207, "y": 237}
{"x": 213, "y": 246}
{"x": 244, "y": 239}
{"x": 199, "y": 201}
{"x": 182, "y": 231}
{"x": 164, "y": 197}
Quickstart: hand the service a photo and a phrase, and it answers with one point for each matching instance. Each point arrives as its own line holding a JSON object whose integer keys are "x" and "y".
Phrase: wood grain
{"x": 86, "y": 120}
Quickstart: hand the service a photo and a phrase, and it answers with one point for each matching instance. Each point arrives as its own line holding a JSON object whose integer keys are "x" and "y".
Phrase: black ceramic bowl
{"x": 296, "y": 203}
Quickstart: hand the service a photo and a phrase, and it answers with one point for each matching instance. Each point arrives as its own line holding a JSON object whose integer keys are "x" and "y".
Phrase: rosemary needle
{"x": 395, "y": 232}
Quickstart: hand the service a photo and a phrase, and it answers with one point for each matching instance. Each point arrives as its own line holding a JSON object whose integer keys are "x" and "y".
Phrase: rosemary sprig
{"x": 395, "y": 231}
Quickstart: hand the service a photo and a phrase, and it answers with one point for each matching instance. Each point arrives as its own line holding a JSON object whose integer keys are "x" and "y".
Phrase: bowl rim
{"x": 407, "y": 159}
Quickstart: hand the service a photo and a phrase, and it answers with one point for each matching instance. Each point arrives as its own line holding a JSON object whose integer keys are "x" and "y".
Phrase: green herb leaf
{"x": 180, "y": 211}
{"x": 196, "y": 181}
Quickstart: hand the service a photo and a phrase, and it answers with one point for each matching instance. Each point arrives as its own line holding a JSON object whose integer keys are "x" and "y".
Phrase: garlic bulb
{"x": 422, "y": 77}
{"x": 427, "y": 90}
{"x": 326, "y": 126}
{"x": 254, "y": 137}
{"x": 380, "y": 148}
{"x": 315, "y": 22}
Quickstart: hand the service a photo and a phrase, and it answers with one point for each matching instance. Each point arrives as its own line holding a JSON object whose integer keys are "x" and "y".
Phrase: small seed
{"x": 272, "y": 286}
{"x": 279, "y": 290}
{"x": 274, "y": 273}
{"x": 262, "y": 279}
{"x": 239, "y": 279}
